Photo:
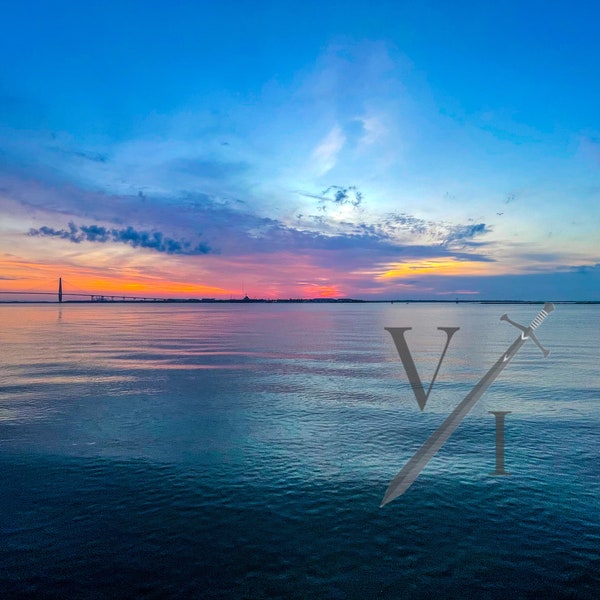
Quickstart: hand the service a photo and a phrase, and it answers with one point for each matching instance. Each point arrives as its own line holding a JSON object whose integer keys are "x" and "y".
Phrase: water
{"x": 219, "y": 451}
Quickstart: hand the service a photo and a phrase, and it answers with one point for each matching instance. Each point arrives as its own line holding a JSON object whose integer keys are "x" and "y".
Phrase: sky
{"x": 298, "y": 149}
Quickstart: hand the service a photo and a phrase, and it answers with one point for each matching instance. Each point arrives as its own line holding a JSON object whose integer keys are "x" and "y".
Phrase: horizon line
{"x": 119, "y": 299}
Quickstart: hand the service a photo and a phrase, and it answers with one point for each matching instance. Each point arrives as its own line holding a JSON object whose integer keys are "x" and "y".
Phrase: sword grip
{"x": 548, "y": 308}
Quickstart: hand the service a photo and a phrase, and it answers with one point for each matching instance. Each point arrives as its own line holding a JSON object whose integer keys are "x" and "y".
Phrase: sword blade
{"x": 417, "y": 463}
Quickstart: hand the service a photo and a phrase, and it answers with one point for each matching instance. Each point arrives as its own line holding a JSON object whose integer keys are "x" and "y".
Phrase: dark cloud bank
{"x": 154, "y": 240}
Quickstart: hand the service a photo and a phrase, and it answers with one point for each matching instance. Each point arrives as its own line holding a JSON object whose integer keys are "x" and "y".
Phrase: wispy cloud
{"x": 98, "y": 157}
{"x": 449, "y": 235}
{"x": 335, "y": 195}
{"x": 373, "y": 130}
{"x": 324, "y": 156}
{"x": 342, "y": 195}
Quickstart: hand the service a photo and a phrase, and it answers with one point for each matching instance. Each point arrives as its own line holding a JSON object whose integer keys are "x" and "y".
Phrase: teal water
{"x": 219, "y": 451}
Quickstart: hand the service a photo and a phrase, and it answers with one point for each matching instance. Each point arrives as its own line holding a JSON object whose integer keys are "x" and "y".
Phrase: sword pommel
{"x": 548, "y": 307}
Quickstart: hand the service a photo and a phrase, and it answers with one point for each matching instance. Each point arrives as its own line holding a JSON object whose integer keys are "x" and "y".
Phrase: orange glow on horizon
{"x": 169, "y": 281}
{"x": 436, "y": 266}
{"x": 326, "y": 291}
{"x": 24, "y": 276}
{"x": 285, "y": 275}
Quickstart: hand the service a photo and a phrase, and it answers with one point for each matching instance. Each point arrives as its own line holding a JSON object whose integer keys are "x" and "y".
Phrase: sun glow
{"x": 436, "y": 266}
{"x": 26, "y": 277}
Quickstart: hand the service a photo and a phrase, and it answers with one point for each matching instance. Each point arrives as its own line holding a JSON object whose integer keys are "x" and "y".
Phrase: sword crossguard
{"x": 527, "y": 332}
{"x": 544, "y": 351}
{"x": 505, "y": 317}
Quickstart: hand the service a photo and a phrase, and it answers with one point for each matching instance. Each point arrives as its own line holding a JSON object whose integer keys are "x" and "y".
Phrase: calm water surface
{"x": 219, "y": 451}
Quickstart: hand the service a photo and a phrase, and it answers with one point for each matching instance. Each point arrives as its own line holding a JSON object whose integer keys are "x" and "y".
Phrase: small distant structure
{"x": 60, "y": 289}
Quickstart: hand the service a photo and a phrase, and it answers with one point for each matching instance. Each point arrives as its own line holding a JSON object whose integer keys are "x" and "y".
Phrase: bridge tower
{"x": 60, "y": 289}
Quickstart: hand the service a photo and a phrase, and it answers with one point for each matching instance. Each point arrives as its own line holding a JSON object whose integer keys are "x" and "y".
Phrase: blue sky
{"x": 366, "y": 149}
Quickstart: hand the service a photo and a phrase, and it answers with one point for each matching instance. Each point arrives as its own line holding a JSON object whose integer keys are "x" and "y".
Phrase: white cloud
{"x": 324, "y": 156}
{"x": 374, "y": 130}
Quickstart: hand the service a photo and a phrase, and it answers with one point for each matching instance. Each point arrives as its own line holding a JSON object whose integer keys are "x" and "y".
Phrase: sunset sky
{"x": 368, "y": 149}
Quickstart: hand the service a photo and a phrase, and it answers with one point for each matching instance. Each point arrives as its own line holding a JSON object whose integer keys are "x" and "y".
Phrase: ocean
{"x": 243, "y": 451}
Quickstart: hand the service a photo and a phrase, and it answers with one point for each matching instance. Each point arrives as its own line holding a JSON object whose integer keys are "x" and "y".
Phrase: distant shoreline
{"x": 110, "y": 300}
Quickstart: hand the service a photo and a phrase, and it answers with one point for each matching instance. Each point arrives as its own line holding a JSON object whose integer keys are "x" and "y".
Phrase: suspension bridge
{"x": 82, "y": 296}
